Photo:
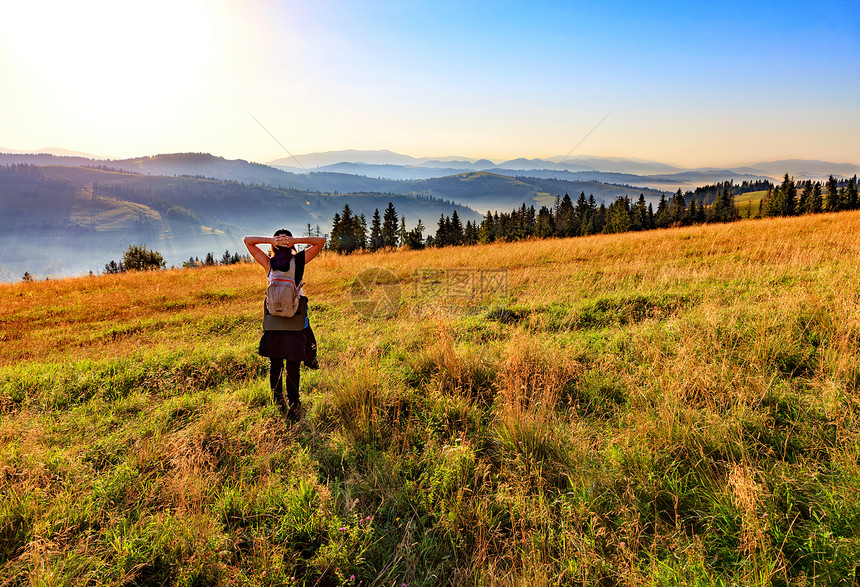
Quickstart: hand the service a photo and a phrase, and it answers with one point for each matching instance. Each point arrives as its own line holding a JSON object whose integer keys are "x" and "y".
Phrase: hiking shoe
{"x": 295, "y": 412}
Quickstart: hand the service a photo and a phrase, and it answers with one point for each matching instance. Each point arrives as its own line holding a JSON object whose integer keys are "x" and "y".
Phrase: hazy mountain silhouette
{"x": 51, "y": 151}
{"x": 83, "y": 217}
{"x": 807, "y": 168}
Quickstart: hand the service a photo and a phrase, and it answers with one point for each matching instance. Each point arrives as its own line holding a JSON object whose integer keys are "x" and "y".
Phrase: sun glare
{"x": 112, "y": 65}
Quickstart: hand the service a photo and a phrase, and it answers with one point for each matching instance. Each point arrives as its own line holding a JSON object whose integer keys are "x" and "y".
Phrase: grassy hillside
{"x": 676, "y": 407}
{"x": 749, "y": 203}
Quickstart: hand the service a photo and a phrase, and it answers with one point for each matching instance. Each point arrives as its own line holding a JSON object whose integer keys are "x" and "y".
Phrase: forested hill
{"x": 478, "y": 190}
{"x": 65, "y": 220}
{"x": 482, "y": 190}
{"x": 202, "y": 165}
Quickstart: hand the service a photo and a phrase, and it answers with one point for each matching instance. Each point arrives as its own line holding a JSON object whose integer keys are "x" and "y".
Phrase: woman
{"x": 290, "y": 346}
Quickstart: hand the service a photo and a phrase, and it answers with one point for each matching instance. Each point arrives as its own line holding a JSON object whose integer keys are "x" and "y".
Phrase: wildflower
{"x": 623, "y": 544}
{"x": 343, "y": 528}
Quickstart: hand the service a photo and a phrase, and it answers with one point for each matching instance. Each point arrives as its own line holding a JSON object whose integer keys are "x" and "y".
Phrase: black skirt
{"x": 292, "y": 345}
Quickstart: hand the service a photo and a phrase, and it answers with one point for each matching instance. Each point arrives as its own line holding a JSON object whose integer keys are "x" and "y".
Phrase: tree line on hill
{"x": 813, "y": 198}
{"x": 350, "y": 233}
{"x": 139, "y": 258}
{"x": 566, "y": 218}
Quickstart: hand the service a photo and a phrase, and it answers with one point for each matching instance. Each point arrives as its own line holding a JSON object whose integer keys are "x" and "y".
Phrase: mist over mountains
{"x": 390, "y": 165}
{"x": 64, "y": 213}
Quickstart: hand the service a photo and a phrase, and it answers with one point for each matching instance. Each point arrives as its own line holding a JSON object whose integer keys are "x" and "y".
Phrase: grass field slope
{"x": 673, "y": 407}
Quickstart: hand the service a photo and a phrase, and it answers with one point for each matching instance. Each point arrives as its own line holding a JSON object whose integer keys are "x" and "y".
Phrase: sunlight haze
{"x": 692, "y": 85}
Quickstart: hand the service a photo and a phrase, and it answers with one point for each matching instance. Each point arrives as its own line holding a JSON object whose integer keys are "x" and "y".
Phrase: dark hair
{"x": 282, "y": 256}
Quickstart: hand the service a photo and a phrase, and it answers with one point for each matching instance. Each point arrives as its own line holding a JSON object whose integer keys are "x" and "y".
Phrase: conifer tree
{"x": 789, "y": 196}
{"x": 805, "y": 200}
{"x": 470, "y": 233}
{"x": 487, "y": 232}
{"x": 441, "y": 238}
{"x": 361, "y": 232}
{"x": 456, "y": 230}
{"x": 346, "y": 231}
{"x": 764, "y": 204}
{"x": 776, "y": 204}
{"x": 592, "y": 223}
{"x": 376, "y": 231}
{"x": 401, "y": 232}
{"x": 833, "y": 203}
{"x": 662, "y": 219}
{"x": 565, "y": 218}
{"x": 335, "y": 232}
{"x": 599, "y": 219}
{"x": 816, "y": 205}
{"x": 415, "y": 237}
{"x": 530, "y": 221}
{"x": 544, "y": 223}
{"x": 851, "y": 199}
{"x": 583, "y": 214}
{"x": 618, "y": 216}
{"x": 639, "y": 214}
{"x": 389, "y": 227}
{"x": 677, "y": 208}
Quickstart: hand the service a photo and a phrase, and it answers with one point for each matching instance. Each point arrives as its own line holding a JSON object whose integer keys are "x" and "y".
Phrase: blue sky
{"x": 694, "y": 84}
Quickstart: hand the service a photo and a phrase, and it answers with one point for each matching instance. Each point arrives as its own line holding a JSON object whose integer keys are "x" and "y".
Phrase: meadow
{"x": 671, "y": 407}
{"x": 749, "y": 203}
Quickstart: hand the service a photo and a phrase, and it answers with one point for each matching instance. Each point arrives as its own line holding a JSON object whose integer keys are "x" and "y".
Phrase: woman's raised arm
{"x": 256, "y": 252}
{"x": 316, "y": 245}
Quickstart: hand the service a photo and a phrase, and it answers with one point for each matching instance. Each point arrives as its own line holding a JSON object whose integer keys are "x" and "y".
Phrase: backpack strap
{"x": 299, "y": 259}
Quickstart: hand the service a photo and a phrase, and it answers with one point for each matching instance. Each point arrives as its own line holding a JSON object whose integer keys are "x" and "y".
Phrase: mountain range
{"x": 85, "y": 211}
{"x": 390, "y": 165}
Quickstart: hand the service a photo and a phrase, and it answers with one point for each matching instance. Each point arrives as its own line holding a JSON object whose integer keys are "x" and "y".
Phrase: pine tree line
{"x": 349, "y": 232}
{"x": 709, "y": 193}
{"x": 566, "y": 218}
{"x": 584, "y": 217}
{"x": 209, "y": 260}
{"x": 784, "y": 200}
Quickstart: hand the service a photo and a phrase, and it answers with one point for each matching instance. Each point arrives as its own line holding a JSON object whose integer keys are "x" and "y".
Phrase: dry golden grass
{"x": 78, "y": 318}
{"x": 668, "y": 407}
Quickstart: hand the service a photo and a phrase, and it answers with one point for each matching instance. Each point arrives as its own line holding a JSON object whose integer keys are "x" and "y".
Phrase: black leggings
{"x": 277, "y": 382}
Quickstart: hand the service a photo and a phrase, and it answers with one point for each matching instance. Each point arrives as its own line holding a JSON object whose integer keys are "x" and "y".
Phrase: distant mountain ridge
{"x": 390, "y": 165}
{"x": 174, "y": 164}
{"x": 384, "y": 164}
{"x": 51, "y": 151}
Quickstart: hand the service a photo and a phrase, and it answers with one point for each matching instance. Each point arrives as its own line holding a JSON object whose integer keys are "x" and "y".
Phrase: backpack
{"x": 282, "y": 295}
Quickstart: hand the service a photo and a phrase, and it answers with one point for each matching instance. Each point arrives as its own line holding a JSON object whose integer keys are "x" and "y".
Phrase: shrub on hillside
{"x": 141, "y": 259}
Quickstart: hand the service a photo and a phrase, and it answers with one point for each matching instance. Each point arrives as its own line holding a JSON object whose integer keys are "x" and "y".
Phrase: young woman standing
{"x": 279, "y": 345}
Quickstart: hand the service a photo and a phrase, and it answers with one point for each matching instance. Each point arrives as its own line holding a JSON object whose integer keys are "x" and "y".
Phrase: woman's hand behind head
{"x": 282, "y": 240}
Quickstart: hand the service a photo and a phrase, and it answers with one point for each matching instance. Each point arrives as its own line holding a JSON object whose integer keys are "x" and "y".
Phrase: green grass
{"x": 675, "y": 408}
